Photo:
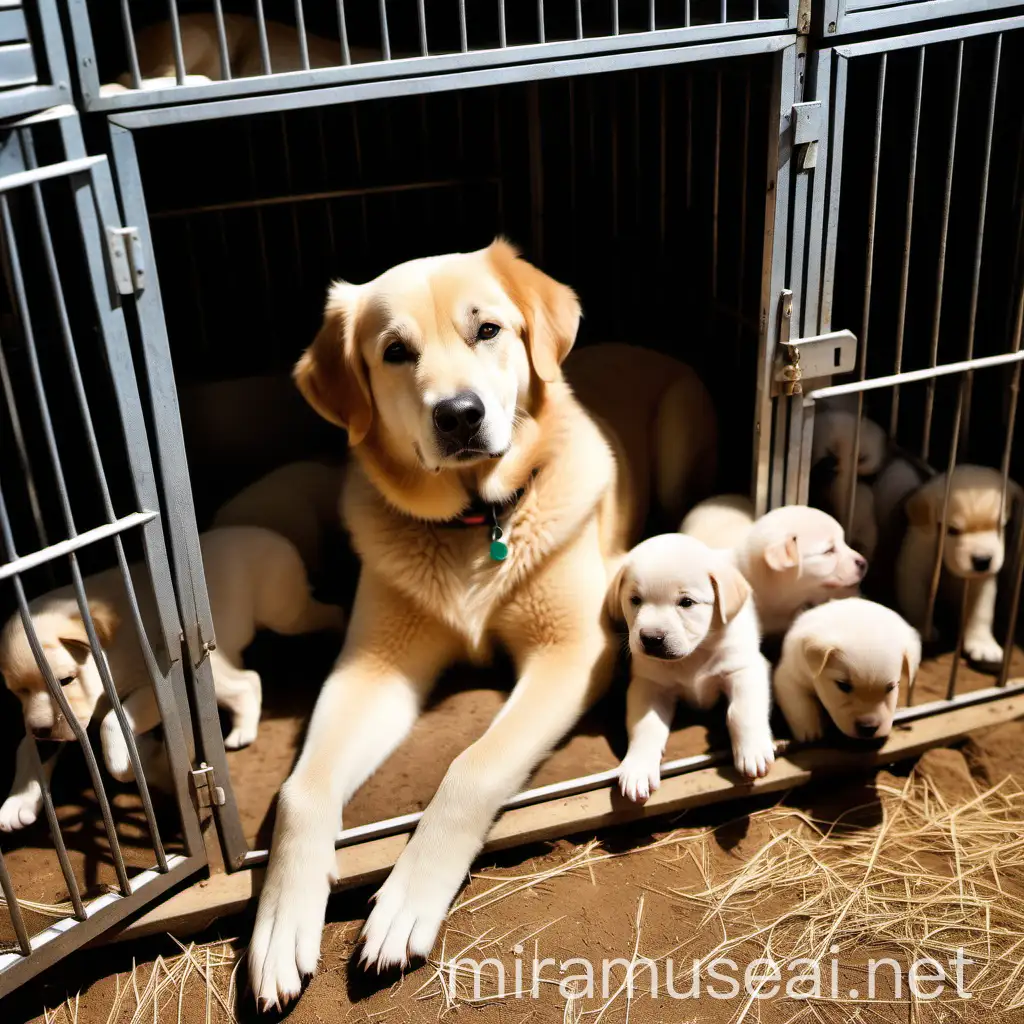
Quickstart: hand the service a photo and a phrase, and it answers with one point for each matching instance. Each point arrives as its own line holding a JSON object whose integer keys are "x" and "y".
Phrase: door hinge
{"x": 208, "y": 793}
{"x": 126, "y": 259}
{"x": 806, "y": 121}
{"x": 802, "y": 359}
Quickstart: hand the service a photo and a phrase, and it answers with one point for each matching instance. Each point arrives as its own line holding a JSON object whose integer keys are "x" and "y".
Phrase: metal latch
{"x": 802, "y": 359}
{"x": 126, "y": 259}
{"x": 806, "y": 121}
{"x": 208, "y": 793}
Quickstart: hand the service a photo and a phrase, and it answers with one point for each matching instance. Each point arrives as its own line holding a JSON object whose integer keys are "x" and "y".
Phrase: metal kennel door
{"x": 26, "y": 187}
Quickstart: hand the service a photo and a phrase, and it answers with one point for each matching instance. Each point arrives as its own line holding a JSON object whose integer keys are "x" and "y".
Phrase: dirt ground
{"x": 632, "y": 893}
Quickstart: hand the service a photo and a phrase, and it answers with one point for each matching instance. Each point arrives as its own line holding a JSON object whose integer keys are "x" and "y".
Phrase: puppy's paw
{"x": 806, "y": 728}
{"x": 20, "y": 810}
{"x": 240, "y": 736}
{"x": 639, "y": 777}
{"x": 754, "y": 756}
{"x": 285, "y": 945}
{"x": 409, "y": 909}
{"x": 983, "y": 650}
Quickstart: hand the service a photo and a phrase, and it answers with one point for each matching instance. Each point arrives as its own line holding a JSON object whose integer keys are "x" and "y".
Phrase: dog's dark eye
{"x": 485, "y": 332}
{"x": 845, "y": 685}
{"x": 831, "y": 550}
{"x": 954, "y": 531}
{"x": 66, "y": 680}
{"x": 636, "y": 600}
{"x": 686, "y": 602}
{"x": 891, "y": 687}
{"x": 399, "y": 352}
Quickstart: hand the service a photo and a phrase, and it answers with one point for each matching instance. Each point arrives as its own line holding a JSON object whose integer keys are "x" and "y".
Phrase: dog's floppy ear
{"x": 783, "y": 554}
{"x": 551, "y": 310}
{"x": 1014, "y": 504}
{"x": 613, "y": 599}
{"x": 104, "y": 619}
{"x": 731, "y": 590}
{"x": 920, "y": 508}
{"x": 911, "y": 658}
{"x": 330, "y": 374}
{"x": 817, "y": 655}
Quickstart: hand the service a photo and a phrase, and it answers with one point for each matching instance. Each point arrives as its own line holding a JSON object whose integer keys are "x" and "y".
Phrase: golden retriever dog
{"x": 693, "y": 635}
{"x": 488, "y": 507}
{"x": 847, "y": 659}
{"x": 973, "y": 550}
{"x": 255, "y": 579}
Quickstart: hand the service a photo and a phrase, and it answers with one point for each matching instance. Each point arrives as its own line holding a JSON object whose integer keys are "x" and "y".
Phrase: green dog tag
{"x": 499, "y": 549}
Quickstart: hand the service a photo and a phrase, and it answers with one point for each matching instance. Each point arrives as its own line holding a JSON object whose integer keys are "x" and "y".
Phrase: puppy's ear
{"x": 731, "y": 591}
{"x": 817, "y": 655}
{"x": 783, "y": 554}
{"x": 911, "y": 658}
{"x": 104, "y": 619}
{"x": 551, "y": 310}
{"x": 1014, "y": 504}
{"x": 613, "y": 599}
{"x": 921, "y": 509}
{"x": 330, "y": 373}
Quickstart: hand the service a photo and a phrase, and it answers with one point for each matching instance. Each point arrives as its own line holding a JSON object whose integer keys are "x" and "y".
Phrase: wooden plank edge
{"x": 197, "y": 907}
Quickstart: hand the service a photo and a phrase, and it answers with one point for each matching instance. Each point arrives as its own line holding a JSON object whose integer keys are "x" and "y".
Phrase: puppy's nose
{"x": 862, "y": 564}
{"x": 652, "y": 642}
{"x": 981, "y": 563}
{"x": 458, "y": 419}
{"x": 865, "y": 730}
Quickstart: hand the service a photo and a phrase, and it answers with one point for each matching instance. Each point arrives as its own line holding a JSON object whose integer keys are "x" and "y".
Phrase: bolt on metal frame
{"x": 90, "y": 187}
{"x": 845, "y": 17}
{"x": 670, "y": 25}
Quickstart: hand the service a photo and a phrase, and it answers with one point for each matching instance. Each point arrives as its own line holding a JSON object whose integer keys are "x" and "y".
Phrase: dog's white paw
{"x": 806, "y": 728}
{"x": 754, "y": 756}
{"x": 409, "y": 909}
{"x": 983, "y": 649}
{"x": 20, "y": 810}
{"x": 639, "y": 777}
{"x": 240, "y": 736}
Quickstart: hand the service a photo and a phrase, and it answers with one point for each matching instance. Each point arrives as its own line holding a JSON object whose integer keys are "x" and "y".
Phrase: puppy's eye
{"x": 399, "y": 352}
{"x": 686, "y": 602}
{"x": 636, "y": 600}
{"x": 845, "y": 685}
{"x": 891, "y": 687}
{"x": 485, "y": 332}
{"x": 66, "y": 680}
{"x": 953, "y": 531}
{"x": 830, "y": 551}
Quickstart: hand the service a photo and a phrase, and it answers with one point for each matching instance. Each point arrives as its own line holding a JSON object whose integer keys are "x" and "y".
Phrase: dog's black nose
{"x": 458, "y": 419}
{"x": 862, "y": 565}
{"x": 865, "y": 730}
{"x": 981, "y": 563}
{"x": 652, "y": 643}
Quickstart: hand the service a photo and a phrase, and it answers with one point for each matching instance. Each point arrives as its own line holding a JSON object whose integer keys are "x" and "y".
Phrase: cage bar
{"x": 346, "y": 53}
{"x": 385, "y": 38}
{"x": 300, "y": 31}
{"x": 261, "y": 31}
{"x": 129, "y": 43}
{"x": 222, "y": 40}
{"x": 421, "y": 20}
{"x": 541, "y": 33}
{"x": 179, "y": 55}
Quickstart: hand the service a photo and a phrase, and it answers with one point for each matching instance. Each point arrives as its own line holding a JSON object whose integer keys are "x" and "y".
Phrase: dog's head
{"x": 65, "y": 645}
{"x": 805, "y": 553}
{"x": 834, "y": 431}
{"x": 973, "y": 543}
{"x": 858, "y": 653}
{"x": 437, "y": 358}
{"x": 672, "y": 591}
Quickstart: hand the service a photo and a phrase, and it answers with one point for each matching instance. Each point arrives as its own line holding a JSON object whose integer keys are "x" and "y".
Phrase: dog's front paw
{"x": 806, "y": 728}
{"x": 754, "y": 756}
{"x": 115, "y": 750}
{"x": 409, "y": 909}
{"x": 983, "y": 650}
{"x": 285, "y": 943}
{"x": 639, "y": 777}
{"x": 240, "y": 736}
{"x": 20, "y": 810}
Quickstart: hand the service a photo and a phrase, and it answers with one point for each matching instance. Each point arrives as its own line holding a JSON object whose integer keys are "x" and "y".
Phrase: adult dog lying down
{"x": 446, "y": 372}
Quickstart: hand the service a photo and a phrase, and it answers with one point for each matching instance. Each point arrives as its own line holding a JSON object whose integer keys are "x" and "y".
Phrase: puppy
{"x": 792, "y": 557}
{"x": 299, "y": 501}
{"x": 834, "y": 430}
{"x": 693, "y": 634}
{"x": 973, "y": 550}
{"x": 847, "y": 658}
{"x": 255, "y": 580}
{"x": 720, "y": 522}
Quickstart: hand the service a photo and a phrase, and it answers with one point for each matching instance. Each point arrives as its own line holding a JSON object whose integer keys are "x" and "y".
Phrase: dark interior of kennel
{"x": 644, "y": 191}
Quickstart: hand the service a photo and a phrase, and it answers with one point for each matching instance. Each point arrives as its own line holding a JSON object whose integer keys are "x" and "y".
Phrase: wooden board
{"x": 200, "y": 905}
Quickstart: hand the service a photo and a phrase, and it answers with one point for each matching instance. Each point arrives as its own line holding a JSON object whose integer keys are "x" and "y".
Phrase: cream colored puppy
{"x": 299, "y": 501}
{"x": 847, "y": 659}
{"x": 720, "y": 522}
{"x": 255, "y": 580}
{"x": 973, "y": 550}
{"x": 792, "y": 557}
{"x": 693, "y": 635}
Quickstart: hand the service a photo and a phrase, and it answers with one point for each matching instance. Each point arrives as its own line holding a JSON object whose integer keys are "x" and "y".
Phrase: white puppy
{"x": 298, "y": 500}
{"x": 255, "y": 580}
{"x": 847, "y": 658}
{"x": 721, "y": 522}
{"x": 793, "y": 557}
{"x": 973, "y": 550}
{"x": 693, "y": 635}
